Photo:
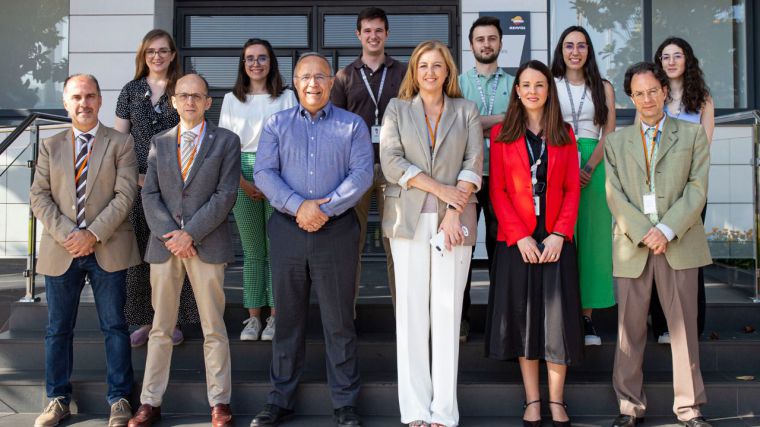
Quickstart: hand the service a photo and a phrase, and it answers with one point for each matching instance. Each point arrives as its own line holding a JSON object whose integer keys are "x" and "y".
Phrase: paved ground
{"x": 243, "y": 421}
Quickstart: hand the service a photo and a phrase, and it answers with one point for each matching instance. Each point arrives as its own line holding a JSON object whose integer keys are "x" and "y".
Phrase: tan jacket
{"x": 681, "y": 172}
{"x": 405, "y": 150}
{"x": 110, "y": 194}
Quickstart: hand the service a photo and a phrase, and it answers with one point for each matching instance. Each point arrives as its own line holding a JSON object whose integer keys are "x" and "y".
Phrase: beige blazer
{"x": 681, "y": 172}
{"x": 405, "y": 151}
{"x": 110, "y": 194}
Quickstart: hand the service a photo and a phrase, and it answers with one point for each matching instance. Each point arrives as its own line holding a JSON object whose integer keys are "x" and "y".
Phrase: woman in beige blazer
{"x": 431, "y": 153}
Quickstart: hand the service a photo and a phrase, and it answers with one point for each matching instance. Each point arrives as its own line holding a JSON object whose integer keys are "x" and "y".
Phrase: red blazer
{"x": 511, "y": 194}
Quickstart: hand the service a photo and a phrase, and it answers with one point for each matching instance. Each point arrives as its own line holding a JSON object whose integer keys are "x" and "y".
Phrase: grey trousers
{"x": 326, "y": 260}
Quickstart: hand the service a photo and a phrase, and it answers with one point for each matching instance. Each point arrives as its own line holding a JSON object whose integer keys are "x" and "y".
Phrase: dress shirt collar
{"x": 196, "y": 130}
{"x": 93, "y": 131}
{"x": 645, "y": 127}
{"x": 323, "y": 113}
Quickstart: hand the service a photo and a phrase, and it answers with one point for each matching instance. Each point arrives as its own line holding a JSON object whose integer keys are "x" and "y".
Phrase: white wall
{"x": 103, "y": 38}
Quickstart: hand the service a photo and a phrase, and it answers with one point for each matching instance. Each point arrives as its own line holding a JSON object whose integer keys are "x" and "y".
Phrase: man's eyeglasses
{"x": 193, "y": 97}
{"x": 319, "y": 78}
{"x": 160, "y": 52}
{"x": 674, "y": 57}
{"x": 651, "y": 93}
{"x": 261, "y": 59}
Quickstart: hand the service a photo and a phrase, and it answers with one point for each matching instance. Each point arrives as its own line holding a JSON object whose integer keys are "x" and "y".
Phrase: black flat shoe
{"x": 271, "y": 416}
{"x": 561, "y": 423}
{"x": 347, "y": 417}
{"x": 626, "y": 421}
{"x": 526, "y": 423}
{"x": 696, "y": 422}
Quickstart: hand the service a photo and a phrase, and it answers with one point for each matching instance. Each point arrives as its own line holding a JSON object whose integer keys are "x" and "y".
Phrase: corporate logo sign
{"x": 516, "y": 42}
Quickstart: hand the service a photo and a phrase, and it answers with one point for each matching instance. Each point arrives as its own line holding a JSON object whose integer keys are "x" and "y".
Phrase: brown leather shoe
{"x": 221, "y": 415}
{"x": 145, "y": 416}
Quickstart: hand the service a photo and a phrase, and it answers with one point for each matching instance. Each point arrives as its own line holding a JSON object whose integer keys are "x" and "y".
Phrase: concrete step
{"x": 480, "y": 394}
{"x": 25, "y": 350}
{"x": 379, "y": 318}
{"x": 78, "y": 420}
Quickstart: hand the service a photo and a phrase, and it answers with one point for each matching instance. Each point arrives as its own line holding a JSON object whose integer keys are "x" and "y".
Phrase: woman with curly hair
{"x": 588, "y": 104}
{"x": 688, "y": 99}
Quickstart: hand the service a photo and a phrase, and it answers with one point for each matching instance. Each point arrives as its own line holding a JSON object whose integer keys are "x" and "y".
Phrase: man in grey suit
{"x": 190, "y": 188}
{"x": 656, "y": 188}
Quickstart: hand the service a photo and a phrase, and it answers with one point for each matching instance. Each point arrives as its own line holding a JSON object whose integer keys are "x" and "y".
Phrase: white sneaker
{"x": 252, "y": 329}
{"x": 664, "y": 338}
{"x": 268, "y": 333}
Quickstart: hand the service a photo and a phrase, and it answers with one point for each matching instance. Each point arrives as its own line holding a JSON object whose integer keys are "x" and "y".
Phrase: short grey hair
{"x": 312, "y": 54}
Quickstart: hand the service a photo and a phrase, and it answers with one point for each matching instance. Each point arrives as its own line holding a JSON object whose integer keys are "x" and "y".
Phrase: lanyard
{"x": 78, "y": 173}
{"x": 195, "y": 148}
{"x": 534, "y": 162}
{"x": 376, "y": 101}
{"x": 648, "y": 158}
{"x": 489, "y": 106}
{"x": 433, "y": 133}
{"x": 576, "y": 116}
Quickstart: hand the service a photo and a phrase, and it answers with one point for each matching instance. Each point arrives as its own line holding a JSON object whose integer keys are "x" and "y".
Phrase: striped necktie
{"x": 80, "y": 167}
{"x": 188, "y": 152}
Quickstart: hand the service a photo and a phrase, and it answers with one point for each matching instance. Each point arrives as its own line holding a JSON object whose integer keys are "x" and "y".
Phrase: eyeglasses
{"x": 261, "y": 59}
{"x": 160, "y": 52}
{"x": 319, "y": 78}
{"x": 193, "y": 97}
{"x": 582, "y": 47}
{"x": 674, "y": 57}
{"x": 651, "y": 93}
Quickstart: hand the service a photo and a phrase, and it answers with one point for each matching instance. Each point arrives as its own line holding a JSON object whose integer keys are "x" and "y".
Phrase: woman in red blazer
{"x": 534, "y": 307}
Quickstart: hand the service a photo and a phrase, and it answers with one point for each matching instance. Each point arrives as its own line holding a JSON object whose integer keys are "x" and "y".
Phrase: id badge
{"x": 376, "y": 134}
{"x": 537, "y": 205}
{"x": 580, "y": 163}
{"x": 650, "y": 203}
{"x": 488, "y": 142}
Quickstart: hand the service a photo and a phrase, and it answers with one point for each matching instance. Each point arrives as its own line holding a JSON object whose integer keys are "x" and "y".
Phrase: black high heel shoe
{"x": 536, "y": 423}
{"x": 561, "y": 423}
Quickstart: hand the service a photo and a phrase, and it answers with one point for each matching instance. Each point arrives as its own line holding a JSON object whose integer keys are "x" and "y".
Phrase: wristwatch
{"x": 587, "y": 168}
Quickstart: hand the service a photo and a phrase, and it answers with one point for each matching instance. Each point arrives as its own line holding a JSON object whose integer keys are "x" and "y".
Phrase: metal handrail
{"x": 32, "y": 120}
{"x": 751, "y": 117}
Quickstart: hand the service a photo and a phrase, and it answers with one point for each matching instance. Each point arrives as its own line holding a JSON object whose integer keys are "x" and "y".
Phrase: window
{"x": 35, "y": 53}
{"x": 716, "y": 29}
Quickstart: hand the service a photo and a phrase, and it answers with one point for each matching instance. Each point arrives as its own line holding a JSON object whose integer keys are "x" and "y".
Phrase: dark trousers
{"x": 326, "y": 260}
{"x": 492, "y": 227}
{"x": 659, "y": 323}
{"x": 110, "y": 291}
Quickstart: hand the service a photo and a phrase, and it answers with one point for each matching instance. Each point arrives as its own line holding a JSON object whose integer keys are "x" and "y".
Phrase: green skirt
{"x": 594, "y": 236}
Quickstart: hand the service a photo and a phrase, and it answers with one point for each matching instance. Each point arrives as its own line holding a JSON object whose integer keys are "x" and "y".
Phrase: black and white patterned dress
{"x": 147, "y": 120}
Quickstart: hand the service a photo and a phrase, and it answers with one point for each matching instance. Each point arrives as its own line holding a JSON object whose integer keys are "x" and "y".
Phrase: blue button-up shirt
{"x": 302, "y": 158}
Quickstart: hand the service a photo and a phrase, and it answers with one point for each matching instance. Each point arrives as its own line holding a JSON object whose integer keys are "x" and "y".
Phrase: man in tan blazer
{"x": 84, "y": 186}
{"x": 656, "y": 184}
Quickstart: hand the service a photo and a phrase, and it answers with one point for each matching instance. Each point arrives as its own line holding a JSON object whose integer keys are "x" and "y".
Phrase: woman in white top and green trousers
{"x": 258, "y": 93}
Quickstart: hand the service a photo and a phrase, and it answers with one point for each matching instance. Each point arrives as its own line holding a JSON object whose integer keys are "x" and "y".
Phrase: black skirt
{"x": 534, "y": 310}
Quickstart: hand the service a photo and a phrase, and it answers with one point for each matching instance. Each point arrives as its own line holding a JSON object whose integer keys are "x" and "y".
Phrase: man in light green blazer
{"x": 657, "y": 172}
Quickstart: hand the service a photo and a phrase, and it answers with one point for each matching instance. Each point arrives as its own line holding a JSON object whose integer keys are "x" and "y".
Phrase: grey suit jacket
{"x": 405, "y": 148}
{"x": 681, "y": 172}
{"x": 110, "y": 193}
{"x": 203, "y": 202}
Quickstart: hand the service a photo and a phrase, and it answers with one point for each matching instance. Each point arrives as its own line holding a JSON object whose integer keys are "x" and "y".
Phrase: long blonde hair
{"x": 409, "y": 86}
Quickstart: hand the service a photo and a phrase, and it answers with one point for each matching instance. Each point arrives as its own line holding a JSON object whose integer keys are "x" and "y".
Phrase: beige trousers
{"x": 678, "y": 295}
{"x": 207, "y": 281}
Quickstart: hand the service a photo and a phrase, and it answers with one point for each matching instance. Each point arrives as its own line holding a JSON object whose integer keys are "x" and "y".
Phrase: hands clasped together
{"x": 180, "y": 244}
{"x": 655, "y": 240}
{"x": 80, "y": 243}
{"x": 310, "y": 217}
{"x": 532, "y": 255}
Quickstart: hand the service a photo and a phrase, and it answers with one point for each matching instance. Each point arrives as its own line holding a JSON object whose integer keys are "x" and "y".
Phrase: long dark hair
{"x": 695, "y": 90}
{"x": 173, "y": 73}
{"x": 274, "y": 78}
{"x": 590, "y": 73}
{"x": 514, "y": 124}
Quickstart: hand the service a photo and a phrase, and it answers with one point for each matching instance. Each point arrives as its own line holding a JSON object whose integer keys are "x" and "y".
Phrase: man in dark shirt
{"x": 365, "y": 87}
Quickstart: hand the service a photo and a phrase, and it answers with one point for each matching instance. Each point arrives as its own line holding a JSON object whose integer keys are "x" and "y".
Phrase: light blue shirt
{"x": 303, "y": 158}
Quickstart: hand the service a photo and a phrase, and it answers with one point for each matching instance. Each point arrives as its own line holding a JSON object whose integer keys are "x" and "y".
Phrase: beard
{"x": 490, "y": 59}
